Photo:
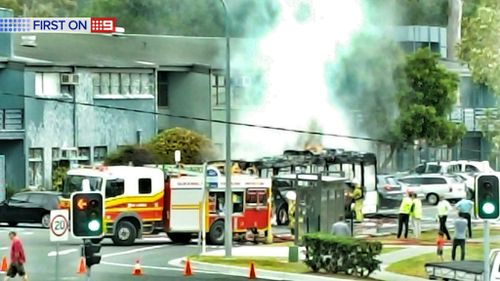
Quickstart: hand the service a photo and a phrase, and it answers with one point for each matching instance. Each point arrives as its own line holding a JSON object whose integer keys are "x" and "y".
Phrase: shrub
{"x": 136, "y": 155}
{"x": 195, "y": 148}
{"x": 336, "y": 254}
{"x": 58, "y": 175}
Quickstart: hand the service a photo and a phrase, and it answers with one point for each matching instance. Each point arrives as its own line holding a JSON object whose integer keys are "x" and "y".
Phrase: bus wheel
{"x": 125, "y": 234}
{"x": 180, "y": 238}
{"x": 216, "y": 233}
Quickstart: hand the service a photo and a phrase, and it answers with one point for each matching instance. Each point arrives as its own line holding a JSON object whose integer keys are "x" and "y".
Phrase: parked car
{"x": 390, "y": 192}
{"x": 432, "y": 186}
{"x": 29, "y": 207}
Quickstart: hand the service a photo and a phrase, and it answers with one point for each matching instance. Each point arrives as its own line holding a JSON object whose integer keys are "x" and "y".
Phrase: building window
{"x": 49, "y": 84}
{"x": 218, "y": 89}
{"x": 84, "y": 155}
{"x": 35, "y": 169}
{"x": 122, "y": 84}
{"x": 162, "y": 88}
{"x": 100, "y": 153}
{"x": 144, "y": 186}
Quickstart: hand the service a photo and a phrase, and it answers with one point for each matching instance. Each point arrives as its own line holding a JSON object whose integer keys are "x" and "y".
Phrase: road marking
{"x": 4, "y": 248}
{"x": 62, "y": 253}
{"x": 132, "y": 251}
{"x": 153, "y": 267}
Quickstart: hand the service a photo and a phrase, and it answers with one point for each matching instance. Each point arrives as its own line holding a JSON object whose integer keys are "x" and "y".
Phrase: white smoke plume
{"x": 294, "y": 92}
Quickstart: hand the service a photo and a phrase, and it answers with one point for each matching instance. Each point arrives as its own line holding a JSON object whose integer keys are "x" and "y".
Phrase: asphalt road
{"x": 117, "y": 262}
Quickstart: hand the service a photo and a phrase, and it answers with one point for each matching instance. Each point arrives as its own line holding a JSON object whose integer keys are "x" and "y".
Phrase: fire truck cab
{"x": 134, "y": 199}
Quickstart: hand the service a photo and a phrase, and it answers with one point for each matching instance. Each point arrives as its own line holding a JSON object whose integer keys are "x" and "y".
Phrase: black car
{"x": 29, "y": 207}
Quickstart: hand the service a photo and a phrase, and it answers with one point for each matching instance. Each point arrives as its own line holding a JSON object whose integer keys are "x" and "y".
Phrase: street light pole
{"x": 228, "y": 235}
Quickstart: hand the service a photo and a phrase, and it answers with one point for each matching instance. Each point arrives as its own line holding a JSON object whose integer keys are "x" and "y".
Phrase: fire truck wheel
{"x": 125, "y": 234}
{"x": 216, "y": 233}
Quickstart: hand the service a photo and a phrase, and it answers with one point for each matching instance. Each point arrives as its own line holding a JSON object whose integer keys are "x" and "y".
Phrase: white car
{"x": 432, "y": 186}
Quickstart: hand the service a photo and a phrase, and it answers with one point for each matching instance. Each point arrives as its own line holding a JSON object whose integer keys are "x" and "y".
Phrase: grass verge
{"x": 268, "y": 263}
{"x": 415, "y": 266}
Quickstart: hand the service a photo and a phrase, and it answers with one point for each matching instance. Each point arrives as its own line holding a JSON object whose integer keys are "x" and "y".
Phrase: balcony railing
{"x": 11, "y": 120}
{"x": 472, "y": 118}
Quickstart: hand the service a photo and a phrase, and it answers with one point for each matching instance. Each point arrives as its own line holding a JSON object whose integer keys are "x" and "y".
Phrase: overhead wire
{"x": 234, "y": 123}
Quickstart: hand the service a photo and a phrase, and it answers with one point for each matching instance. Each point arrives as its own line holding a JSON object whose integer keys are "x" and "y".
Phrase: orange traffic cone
{"x": 4, "y": 264}
{"x": 187, "y": 269}
{"x": 81, "y": 267}
{"x": 137, "y": 269}
{"x": 252, "y": 274}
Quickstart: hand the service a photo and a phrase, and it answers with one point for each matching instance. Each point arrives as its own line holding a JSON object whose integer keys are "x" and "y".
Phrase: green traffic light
{"x": 94, "y": 225}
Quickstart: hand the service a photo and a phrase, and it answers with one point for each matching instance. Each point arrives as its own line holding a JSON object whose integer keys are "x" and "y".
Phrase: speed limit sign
{"x": 59, "y": 225}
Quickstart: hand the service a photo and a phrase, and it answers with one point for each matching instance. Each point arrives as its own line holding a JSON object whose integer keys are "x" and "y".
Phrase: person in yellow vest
{"x": 404, "y": 215}
{"x": 416, "y": 215}
{"x": 357, "y": 196}
{"x": 291, "y": 196}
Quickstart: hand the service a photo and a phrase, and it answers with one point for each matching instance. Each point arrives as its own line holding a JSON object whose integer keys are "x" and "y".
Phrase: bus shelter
{"x": 319, "y": 202}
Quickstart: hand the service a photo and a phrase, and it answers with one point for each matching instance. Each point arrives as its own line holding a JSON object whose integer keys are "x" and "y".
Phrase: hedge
{"x": 335, "y": 254}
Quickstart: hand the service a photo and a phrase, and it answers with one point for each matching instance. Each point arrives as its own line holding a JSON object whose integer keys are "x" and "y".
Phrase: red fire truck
{"x": 149, "y": 200}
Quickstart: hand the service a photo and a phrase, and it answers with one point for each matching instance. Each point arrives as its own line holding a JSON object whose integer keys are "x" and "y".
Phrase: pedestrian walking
{"x": 459, "y": 237}
{"x": 404, "y": 215}
{"x": 464, "y": 208}
{"x": 440, "y": 245}
{"x": 340, "y": 228}
{"x": 416, "y": 215}
{"x": 17, "y": 258}
{"x": 444, "y": 208}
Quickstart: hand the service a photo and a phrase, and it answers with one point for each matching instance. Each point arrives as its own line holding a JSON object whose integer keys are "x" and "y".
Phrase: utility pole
{"x": 228, "y": 233}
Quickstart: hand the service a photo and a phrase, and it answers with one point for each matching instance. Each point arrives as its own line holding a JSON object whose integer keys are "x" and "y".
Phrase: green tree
{"x": 195, "y": 148}
{"x": 403, "y": 99}
{"x": 480, "y": 46}
{"x": 480, "y": 49}
{"x": 38, "y": 8}
{"x": 426, "y": 102}
{"x": 185, "y": 17}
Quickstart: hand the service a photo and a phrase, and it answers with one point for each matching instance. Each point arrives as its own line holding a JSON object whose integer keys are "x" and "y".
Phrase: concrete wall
{"x": 51, "y": 124}
{"x": 189, "y": 95}
{"x": 14, "y": 163}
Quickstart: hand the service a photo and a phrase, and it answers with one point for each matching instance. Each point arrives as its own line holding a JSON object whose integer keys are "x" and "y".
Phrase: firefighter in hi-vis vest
{"x": 357, "y": 196}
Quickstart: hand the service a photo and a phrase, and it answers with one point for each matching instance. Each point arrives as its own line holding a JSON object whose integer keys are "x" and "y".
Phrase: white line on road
{"x": 4, "y": 248}
{"x": 62, "y": 253}
{"x": 153, "y": 267}
{"x": 132, "y": 251}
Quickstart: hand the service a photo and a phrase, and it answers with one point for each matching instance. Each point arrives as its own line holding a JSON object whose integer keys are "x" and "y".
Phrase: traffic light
{"x": 488, "y": 197}
{"x": 91, "y": 252}
{"x": 87, "y": 211}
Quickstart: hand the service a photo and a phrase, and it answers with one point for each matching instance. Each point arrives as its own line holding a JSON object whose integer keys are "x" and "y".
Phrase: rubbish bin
{"x": 293, "y": 254}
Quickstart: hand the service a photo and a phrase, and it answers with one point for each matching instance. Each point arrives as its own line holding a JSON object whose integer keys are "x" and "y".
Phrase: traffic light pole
{"x": 57, "y": 261}
{"x": 486, "y": 250}
{"x": 85, "y": 254}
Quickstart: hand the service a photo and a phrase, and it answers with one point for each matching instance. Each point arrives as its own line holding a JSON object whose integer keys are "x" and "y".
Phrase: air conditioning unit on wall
{"x": 69, "y": 79}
